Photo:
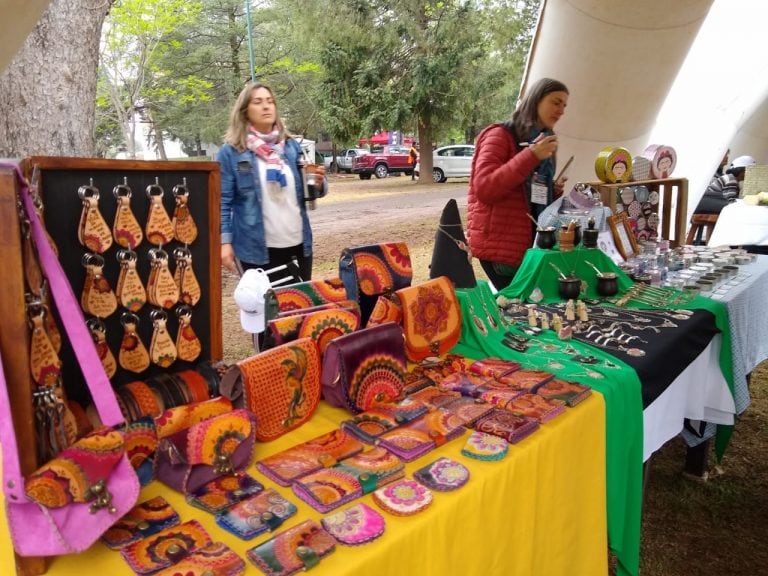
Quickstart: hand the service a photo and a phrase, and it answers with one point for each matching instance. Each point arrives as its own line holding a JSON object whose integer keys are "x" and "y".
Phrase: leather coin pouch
{"x": 483, "y": 446}
{"x": 403, "y": 498}
{"x": 221, "y": 493}
{"x": 216, "y": 559}
{"x": 355, "y": 525}
{"x": 143, "y": 520}
{"x": 264, "y": 512}
{"x": 295, "y": 549}
{"x": 442, "y": 475}
{"x": 165, "y": 548}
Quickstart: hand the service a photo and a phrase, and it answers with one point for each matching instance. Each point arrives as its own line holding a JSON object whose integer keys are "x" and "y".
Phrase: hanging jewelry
{"x": 130, "y": 290}
{"x": 162, "y": 350}
{"x": 159, "y": 229}
{"x": 161, "y": 288}
{"x": 491, "y": 319}
{"x": 97, "y": 298}
{"x": 475, "y": 319}
{"x": 133, "y": 355}
{"x": 98, "y": 332}
{"x": 93, "y": 231}
{"x": 187, "y": 343}
{"x": 184, "y": 277}
{"x": 184, "y": 227}
{"x": 126, "y": 229}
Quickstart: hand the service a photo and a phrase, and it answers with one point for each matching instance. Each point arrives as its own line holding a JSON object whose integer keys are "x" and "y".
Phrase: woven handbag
{"x": 281, "y": 386}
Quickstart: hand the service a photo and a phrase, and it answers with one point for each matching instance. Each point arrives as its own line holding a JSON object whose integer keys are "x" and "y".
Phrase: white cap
{"x": 743, "y": 162}
{"x": 249, "y": 296}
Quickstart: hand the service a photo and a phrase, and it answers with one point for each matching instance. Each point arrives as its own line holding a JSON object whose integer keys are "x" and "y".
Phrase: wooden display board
{"x": 670, "y": 203}
{"x": 58, "y": 184}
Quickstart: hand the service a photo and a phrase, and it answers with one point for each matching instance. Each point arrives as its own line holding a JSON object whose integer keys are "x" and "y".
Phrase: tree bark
{"x": 48, "y": 92}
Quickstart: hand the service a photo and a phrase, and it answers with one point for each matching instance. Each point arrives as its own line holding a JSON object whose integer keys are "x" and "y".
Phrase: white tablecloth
{"x": 701, "y": 392}
{"x": 741, "y": 224}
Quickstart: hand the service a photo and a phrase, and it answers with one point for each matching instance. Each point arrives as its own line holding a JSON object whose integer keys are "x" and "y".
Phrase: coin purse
{"x": 442, "y": 475}
{"x": 403, "y": 498}
{"x": 483, "y": 446}
{"x": 264, "y": 512}
{"x": 358, "y": 524}
{"x": 221, "y": 493}
{"x": 143, "y": 520}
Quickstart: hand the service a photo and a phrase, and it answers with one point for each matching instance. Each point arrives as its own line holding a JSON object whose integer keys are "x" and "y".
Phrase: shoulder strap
{"x": 71, "y": 314}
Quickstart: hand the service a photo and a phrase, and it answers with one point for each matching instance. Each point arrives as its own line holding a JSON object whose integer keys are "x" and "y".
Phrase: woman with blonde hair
{"x": 264, "y": 221}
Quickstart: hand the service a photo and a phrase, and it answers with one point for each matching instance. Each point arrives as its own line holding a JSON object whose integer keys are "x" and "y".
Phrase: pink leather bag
{"x": 37, "y": 530}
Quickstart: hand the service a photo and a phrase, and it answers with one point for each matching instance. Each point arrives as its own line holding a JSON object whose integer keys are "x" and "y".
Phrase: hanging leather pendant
{"x": 126, "y": 229}
{"x": 99, "y": 334}
{"x": 159, "y": 229}
{"x": 44, "y": 362}
{"x": 184, "y": 277}
{"x": 133, "y": 355}
{"x": 130, "y": 290}
{"x": 187, "y": 343}
{"x": 162, "y": 350}
{"x": 93, "y": 231}
{"x": 184, "y": 227}
{"x": 97, "y": 299}
{"x": 54, "y": 334}
{"x": 161, "y": 288}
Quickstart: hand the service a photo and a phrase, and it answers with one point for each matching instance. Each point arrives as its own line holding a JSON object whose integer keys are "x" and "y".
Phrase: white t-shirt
{"x": 280, "y": 210}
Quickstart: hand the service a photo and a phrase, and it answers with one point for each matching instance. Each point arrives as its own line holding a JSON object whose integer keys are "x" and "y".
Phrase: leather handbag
{"x": 301, "y": 295}
{"x": 431, "y": 318}
{"x": 189, "y": 459}
{"x": 322, "y": 326}
{"x": 364, "y": 368}
{"x": 373, "y": 270}
{"x": 281, "y": 386}
{"x": 95, "y": 494}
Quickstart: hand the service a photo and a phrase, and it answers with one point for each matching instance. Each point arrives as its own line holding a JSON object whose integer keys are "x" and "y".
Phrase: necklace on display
{"x": 476, "y": 320}
{"x": 634, "y": 352}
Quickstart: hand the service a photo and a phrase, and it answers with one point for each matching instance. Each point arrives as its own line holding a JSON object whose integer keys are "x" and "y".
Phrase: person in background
{"x": 264, "y": 221}
{"x": 724, "y": 189}
{"x": 513, "y": 174}
{"x": 413, "y": 157}
{"x": 723, "y": 163}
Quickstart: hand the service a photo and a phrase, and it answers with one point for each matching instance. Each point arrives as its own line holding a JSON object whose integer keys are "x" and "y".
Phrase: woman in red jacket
{"x": 513, "y": 173}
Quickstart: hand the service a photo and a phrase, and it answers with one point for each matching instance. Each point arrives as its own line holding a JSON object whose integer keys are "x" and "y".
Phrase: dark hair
{"x": 526, "y": 115}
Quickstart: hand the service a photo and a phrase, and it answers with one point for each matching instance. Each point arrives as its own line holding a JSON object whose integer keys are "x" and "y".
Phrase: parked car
{"x": 346, "y": 158}
{"x": 454, "y": 161}
{"x": 392, "y": 160}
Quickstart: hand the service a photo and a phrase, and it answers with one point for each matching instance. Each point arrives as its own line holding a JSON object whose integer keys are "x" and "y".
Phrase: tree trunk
{"x": 48, "y": 92}
{"x": 425, "y": 151}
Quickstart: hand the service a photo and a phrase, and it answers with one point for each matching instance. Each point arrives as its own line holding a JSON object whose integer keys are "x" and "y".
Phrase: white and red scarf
{"x": 269, "y": 148}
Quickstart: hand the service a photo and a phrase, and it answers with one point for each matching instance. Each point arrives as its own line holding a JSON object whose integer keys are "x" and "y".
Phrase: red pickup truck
{"x": 389, "y": 161}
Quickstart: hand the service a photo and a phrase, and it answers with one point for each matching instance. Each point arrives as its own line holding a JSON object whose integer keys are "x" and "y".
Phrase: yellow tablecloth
{"x": 540, "y": 511}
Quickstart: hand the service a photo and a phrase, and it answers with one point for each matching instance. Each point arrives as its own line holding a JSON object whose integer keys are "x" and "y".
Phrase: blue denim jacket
{"x": 242, "y": 222}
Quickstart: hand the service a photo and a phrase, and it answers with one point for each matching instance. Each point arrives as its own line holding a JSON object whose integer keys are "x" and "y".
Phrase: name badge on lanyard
{"x": 539, "y": 190}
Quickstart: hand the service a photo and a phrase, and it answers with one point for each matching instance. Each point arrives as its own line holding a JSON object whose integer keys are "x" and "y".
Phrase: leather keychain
{"x": 184, "y": 226}
{"x": 93, "y": 231}
{"x": 133, "y": 355}
{"x": 159, "y": 229}
{"x": 184, "y": 277}
{"x": 162, "y": 350}
{"x": 130, "y": 289}
{"x": 162, "y": 290}
{"x": 44, "y": 362}
{"x": 97, "y": 299}
{"x": 126, "y": 229}
{"x": 187, "y": 343}
{"x": 98, "y": 332}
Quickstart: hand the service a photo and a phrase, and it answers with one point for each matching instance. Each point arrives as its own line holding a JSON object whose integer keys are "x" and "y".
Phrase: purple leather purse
{"x": 364, "y": 368}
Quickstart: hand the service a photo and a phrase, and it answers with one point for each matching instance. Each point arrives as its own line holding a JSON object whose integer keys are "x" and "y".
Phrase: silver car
{"x": 454, "y": 161}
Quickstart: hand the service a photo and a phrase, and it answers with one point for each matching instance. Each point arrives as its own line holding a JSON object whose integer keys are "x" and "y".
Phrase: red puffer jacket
{"x": 498, "y": 229}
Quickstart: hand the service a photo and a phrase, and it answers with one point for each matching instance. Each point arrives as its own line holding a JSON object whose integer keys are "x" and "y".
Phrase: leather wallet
{"x": 504, "y": 424}
{"x": 143, "y": 520}
{"x": 469, "y": 410}
{"x": 369, "y": 425}
{"x": 433, "y": 397}
{"x": 535, "y": 406}
{"x": 295, "y": 549}
{"x": 216, "y": 559}
{"x": 323, "y": 451}
{"x": 264, "y": 512}
{"x": 165, "y": 548}
{"x": 465, "y": 383}
{"x": 355, "y": 525}
{"x": 570, "y": 392}
{"x": 223, "y": 492}
{"x": 423, "y": 435}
